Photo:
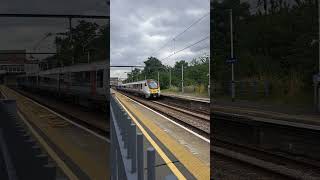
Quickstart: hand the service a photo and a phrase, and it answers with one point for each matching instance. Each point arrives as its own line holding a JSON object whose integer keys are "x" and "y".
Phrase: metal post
{"x": 170, "y": 77}
{"x": 318, "y": 97}
{"x": 113, "y": 151}
{"x": 319, "y": 56}
{"x": 232, "y": 64}
{"x": 121, "y": 173}
{"x": 132, "y": 74}
{"x": 126, "y": 132}
{"x": 70, "y": 29}
{"x": 182, "y": 88}
{"x": 140, "y": 165}
{"x": 134, "y": 148}
{"x": 315, "y": 96}
{"x": 158, "y": 78}
{"x": 209, "y": 79}
{"x": 151, "y": 174}
{"x": 129, "y": 139}
{"x": 319, "y": 36}
{"x": 88, "y": 56}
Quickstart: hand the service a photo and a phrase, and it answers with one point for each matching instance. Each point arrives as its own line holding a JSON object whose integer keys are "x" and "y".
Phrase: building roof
{"x": 12, "y": 56}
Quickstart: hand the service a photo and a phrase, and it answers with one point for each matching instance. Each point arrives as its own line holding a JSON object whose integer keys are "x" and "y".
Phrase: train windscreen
{"x": 153, "y": 84}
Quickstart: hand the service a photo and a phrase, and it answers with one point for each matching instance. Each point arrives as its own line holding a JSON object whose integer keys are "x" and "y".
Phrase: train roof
{"x": 77, "y": 68}
{"x": 137, "y": 82}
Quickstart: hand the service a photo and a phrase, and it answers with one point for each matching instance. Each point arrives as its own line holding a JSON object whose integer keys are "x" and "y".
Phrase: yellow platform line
{"x": 195, "y": 166}
{"x": 165, "y": 158}
{"x": 67, "y": 171}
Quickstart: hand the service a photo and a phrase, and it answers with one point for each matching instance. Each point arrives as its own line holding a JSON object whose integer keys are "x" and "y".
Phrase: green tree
{"x": 86, "y": 36}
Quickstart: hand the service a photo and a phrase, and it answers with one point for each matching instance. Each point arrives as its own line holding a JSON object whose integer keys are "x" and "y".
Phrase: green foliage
{"x": 86, "y": 37}
{"x": 195, "y": 73}
{"x": 271, "y": 42}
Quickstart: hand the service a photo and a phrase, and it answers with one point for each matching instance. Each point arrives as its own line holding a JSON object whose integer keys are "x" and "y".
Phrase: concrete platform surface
{"x": 86, "y": 151}
{"x": 188, "y": 153}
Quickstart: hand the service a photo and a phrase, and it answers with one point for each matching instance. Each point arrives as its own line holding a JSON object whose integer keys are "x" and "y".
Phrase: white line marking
{"x": 70, "y": 121}
{"x": 183, "y": 127}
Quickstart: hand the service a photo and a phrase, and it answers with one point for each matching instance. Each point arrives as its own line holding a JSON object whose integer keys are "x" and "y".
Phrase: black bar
{"x": 29, "y": 53}
{"x": 56, "y": 16}
{"x": 126, "y": 66}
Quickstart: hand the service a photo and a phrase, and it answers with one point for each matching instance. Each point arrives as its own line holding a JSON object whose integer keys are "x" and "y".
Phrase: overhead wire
{"x": 193, "y": 44}
{"x": 194, "y": 23}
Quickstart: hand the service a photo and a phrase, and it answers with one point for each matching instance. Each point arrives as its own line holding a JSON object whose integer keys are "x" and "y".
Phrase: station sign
{"x": 232, "y": 60}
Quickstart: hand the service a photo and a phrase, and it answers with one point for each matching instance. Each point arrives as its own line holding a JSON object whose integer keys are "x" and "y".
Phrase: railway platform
{"x": 94, "y": 119}
{"x": 186, "y": 97}
{"x": 179, "y": 151}
{"x": 289, "y": 132}
{"x": 267, "y": 111}
{"x": 78, "y": 151}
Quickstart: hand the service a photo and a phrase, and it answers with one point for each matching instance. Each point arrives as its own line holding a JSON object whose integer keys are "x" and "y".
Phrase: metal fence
{"x": 127, "y": 148}
{"x": 244, "y": 89}
{"x": 24, "y": 156}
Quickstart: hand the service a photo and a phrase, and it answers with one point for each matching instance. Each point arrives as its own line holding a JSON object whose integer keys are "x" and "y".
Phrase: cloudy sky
{"x": 24, "y": 33}
{"x": 141, "y": 27}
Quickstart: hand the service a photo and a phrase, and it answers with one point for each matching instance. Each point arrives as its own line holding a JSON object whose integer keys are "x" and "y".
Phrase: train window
{"x": 100, "y": 78}
{"x": 81, "y": 78}
{"x": 153, "y": 84}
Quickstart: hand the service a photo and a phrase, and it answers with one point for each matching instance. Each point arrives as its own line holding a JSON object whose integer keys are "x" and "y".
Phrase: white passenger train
{"x": 81, "y": 82}
{"x": 148, "y": 88}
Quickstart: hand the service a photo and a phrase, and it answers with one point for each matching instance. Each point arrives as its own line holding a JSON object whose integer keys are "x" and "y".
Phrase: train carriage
{"x": 81, "y": 82}
{"x": 148, "y": 88}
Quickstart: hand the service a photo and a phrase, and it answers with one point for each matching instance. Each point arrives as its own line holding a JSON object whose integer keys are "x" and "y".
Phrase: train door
{"x": 106, "y": 82}
{"x": 99, "y": 79}
{"x": 93, "y": 82}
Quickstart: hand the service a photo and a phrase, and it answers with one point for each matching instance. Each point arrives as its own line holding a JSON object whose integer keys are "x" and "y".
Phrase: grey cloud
{"x": 138, "y": 28}
{"x": 24, "y": 33}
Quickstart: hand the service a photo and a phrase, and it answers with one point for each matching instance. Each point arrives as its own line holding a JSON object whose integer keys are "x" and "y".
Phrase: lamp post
{"x": 170, "y": 77}
{"x": 318, "y": 79}
{"x": 231, "y": 54}
{"x": 182, "y": 88}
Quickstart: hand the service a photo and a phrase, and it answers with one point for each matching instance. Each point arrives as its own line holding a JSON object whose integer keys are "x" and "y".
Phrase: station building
{"x": 13, "y": 63}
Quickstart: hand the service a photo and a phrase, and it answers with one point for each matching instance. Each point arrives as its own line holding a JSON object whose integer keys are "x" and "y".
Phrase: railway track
{"x": 97, "y": 129}
{"x": 275, "y": 164}
{"x": 271, "y": 161}
{"x": 199, "y": 107}
{"x": 198, "y": 122}
{"x": 264, "y": 164}
{"x": 197, "y": 115}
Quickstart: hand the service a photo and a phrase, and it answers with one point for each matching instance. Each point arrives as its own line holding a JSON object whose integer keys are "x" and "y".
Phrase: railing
{"x": 24, "y": 156}
{"x": 10, "y": 107}
{"x": 127, "y": 148}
